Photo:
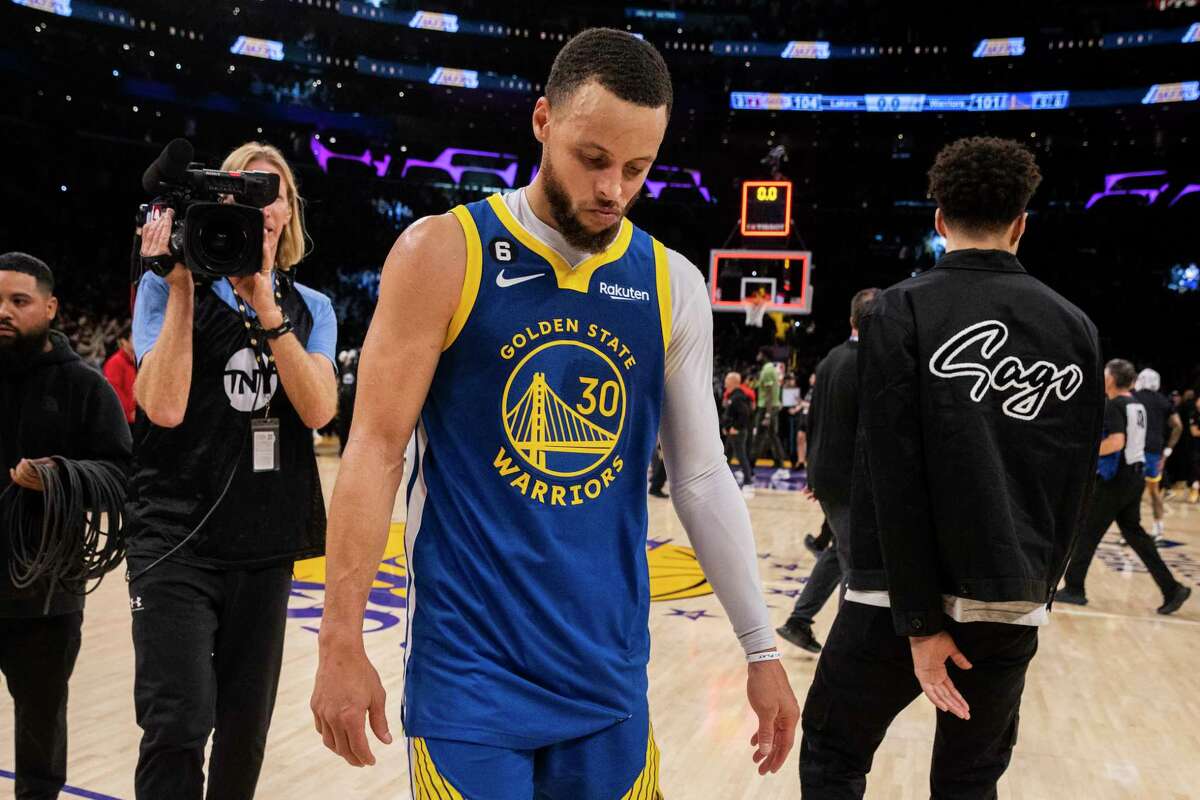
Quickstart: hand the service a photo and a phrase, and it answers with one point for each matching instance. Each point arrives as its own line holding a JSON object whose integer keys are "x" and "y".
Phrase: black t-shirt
{"x": 1158, "y": 410}
{"x": 1125, "y": 414}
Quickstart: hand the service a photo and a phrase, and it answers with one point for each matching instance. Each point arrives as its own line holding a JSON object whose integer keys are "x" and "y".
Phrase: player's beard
{"x": 16, "y": 352}
{"x": 566, "y": 217}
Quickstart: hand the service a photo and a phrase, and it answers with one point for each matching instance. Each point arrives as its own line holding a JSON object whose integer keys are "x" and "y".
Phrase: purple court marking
{"x": 692, "y": 615}
{"x": 445, "y": 163}
{"x": 323, "y": 154}
{"x": 71, "y": 790}
{"x": 793, "y": 593}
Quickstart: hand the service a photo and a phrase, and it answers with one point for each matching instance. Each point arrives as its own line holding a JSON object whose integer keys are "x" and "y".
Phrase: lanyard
{"x": 257, "y": 341}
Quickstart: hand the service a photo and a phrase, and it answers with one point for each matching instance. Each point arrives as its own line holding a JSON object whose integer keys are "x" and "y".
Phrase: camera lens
{"x": 222, "y": 240}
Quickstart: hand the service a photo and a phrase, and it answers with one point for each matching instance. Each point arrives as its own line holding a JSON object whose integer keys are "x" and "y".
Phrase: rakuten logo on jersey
{"x": 1032, "y": 385}
{"x": 623, "y": 292}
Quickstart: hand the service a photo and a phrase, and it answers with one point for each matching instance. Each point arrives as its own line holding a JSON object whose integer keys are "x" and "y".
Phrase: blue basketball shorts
{"x": 618, "y": 763}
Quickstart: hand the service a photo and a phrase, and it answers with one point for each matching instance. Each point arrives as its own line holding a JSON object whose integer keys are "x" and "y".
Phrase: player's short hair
{"x": 1123, "y": 373}
{"x": 629, "y": 67}
{"x": 983, "y": 183}
{"x": 861, "y": 304}
{"x": 23, "y": 262}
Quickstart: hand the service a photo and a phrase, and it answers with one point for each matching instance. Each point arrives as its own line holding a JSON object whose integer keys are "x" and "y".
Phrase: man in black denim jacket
{"x": 981, "y": 401}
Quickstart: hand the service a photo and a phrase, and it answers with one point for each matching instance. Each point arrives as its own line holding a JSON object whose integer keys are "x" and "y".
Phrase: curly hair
{"x": 629, "y": 67}
{"x": 983, "y": 183}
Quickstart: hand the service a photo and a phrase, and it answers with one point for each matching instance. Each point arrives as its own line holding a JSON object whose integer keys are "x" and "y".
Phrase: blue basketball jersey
{"x": 528, "y": 590}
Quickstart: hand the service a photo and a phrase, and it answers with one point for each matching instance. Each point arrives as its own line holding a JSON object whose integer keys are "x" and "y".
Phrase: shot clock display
{"x": 767, "y": 208}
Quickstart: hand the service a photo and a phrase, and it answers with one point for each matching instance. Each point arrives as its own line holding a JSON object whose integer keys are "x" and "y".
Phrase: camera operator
{"x": 224, "y": 496}
{"x": 51, "y": 404}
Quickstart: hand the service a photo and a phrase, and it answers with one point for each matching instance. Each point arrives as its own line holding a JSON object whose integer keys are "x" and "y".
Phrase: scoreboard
{"x": 766, "y": 208}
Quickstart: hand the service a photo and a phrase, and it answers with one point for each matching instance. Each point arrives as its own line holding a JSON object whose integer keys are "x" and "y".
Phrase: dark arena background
{"x": 832, "y": 111}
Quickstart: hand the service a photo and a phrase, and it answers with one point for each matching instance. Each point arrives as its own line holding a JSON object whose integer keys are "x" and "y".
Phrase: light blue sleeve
{"x": 323, "y": 338}
{"x": 148, "y": 312}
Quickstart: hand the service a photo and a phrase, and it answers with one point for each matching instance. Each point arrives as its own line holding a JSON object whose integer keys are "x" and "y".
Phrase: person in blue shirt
{"x": 234, "y": 376}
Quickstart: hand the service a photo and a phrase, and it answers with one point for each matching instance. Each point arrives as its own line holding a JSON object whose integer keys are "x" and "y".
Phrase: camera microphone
{"x": 170, "y": 166}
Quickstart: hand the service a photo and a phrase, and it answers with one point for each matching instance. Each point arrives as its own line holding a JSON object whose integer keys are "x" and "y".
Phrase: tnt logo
{"x": 249, "y": 382}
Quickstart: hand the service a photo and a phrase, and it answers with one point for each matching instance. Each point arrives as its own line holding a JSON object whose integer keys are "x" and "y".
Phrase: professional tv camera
{"x": 213, "y": 237}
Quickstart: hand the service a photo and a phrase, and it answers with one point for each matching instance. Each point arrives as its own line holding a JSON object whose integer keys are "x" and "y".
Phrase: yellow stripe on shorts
{"x": 428, "y": 783}
{"x": 645, "y": 787}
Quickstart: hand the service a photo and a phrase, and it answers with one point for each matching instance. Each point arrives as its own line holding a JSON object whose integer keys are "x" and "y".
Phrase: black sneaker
{"x": 1072, "y": 598}
{"x": 1177, "y": 598}
{"x": 812, "y": 545}
{"x": 801, "y": 636}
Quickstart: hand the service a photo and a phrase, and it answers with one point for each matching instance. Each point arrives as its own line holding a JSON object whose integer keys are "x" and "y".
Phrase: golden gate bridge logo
{"x": 557, "y": 436}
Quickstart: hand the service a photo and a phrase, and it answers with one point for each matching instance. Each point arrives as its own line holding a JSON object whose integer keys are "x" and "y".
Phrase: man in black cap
{"x": 51, "y": 404}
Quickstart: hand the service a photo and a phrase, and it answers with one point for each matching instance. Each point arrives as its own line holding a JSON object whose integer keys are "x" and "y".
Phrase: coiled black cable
{"x": 79, "y": 538}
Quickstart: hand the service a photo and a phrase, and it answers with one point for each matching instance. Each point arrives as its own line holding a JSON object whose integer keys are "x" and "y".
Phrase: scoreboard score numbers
{"x": 766, "y": 208}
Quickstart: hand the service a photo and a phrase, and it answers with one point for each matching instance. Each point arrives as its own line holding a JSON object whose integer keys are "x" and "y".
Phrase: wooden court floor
{"x": 1111, "y": 708}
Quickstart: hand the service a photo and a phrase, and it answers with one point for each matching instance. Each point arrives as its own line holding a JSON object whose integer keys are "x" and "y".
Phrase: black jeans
{"x": 208, "y": 646}
{"x": 1118, "y": 499}
{"x": 658, "y": 478}
{"x": 829, "y": 569}
{"x": 865, "y": 678}
{"x": 739, "y": 446}
{"x": 766, "y": 435}
{"x": 37, "y": 656}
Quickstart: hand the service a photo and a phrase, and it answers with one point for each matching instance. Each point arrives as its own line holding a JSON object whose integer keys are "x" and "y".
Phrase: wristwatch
{"x": 284, "y": 327}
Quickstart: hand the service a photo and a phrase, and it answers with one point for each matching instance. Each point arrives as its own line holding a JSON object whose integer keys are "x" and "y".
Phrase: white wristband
{"x": 1167, "y": 453}
{"x": 766, "y": 655}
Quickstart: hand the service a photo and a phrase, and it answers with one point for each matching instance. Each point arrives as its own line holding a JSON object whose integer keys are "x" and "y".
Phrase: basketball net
{"x": 756, "y": 309}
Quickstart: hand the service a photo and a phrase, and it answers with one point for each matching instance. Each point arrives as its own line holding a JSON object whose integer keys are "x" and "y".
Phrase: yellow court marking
{"x": 675, "y": 572}
{"x": 312, "y": 570}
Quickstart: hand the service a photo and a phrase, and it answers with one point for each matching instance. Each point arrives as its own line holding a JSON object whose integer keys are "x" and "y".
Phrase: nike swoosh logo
{"x": 504, "y": 282}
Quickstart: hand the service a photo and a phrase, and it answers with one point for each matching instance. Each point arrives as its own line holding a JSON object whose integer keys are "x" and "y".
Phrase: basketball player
{"x": 531, "y": 340}
{"x": 979, "y": 410}
{"x": 1163, "y": 429}
{"x": 1118, "y": 494}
